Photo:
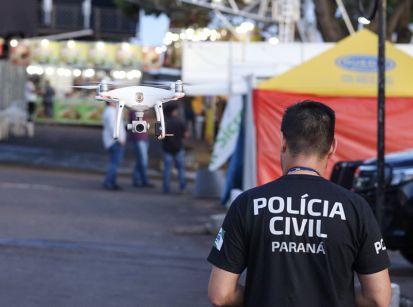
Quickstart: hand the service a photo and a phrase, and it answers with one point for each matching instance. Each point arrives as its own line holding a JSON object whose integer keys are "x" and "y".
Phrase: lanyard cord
{"x": 302, "y": 168}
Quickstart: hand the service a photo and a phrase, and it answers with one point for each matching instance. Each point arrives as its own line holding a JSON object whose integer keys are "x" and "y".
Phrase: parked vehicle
{"x": 361, "y": 177}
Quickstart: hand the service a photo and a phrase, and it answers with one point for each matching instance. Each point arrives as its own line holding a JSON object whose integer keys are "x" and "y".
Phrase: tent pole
{"x": 380, "y": 192}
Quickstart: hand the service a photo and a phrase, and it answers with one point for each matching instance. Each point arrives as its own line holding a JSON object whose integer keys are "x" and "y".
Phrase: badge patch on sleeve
{"x": 219, "y": 240}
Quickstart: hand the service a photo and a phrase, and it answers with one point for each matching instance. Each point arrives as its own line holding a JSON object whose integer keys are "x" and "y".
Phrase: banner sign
{"x": 228, "y": 133}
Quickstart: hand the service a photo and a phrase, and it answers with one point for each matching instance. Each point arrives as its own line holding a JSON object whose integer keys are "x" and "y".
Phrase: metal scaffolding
{"x": 283, "y": 13}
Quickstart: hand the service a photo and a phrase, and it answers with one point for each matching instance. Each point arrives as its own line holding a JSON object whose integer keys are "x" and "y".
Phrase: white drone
{"x": 139, "y": 99}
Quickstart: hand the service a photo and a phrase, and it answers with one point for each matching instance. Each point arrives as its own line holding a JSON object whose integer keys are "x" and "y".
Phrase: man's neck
{"x": 308, "y": 165}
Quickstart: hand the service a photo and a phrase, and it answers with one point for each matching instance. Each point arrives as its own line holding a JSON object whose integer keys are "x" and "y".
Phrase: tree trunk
{"x": 328, "y": 24}
{"x": 398, "y": 22}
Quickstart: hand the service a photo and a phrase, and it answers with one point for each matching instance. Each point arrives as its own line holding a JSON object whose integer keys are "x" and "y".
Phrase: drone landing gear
{"x": 160, "y": 129}
{"x": 120, "y": 107}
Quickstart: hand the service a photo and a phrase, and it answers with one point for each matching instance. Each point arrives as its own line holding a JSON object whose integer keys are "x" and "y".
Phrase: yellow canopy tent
{"x": 345, "y": 78}
{"x": 349, "y": 69}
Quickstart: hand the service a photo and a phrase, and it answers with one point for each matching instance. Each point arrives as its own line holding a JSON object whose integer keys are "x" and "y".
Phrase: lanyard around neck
{"x": 302, "y": 168}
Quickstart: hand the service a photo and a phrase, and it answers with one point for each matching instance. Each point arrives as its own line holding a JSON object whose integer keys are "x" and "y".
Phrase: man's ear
{"x": 333, "y": 148}
{"x": 283, "y": 147}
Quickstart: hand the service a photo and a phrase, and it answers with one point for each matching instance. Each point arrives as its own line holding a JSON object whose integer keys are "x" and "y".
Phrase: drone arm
{"x": 116, "y": 131}
{"x": 160, "y": 118}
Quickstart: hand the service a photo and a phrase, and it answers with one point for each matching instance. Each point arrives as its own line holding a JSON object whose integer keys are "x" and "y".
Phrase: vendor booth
{"x": 345, "y": 78}
{"x": 68, "y": 63}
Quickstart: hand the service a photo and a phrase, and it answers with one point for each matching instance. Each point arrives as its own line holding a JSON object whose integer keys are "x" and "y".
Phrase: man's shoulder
{"x": 350, "y": 195}
{"x": 258, "y": 191}
{"x": 281, "y": 185}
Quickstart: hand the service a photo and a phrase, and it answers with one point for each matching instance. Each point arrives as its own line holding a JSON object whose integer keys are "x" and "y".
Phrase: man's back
{"x": 174, "y": 126}
{"x": 300, "y": 237}
{"x": 109, "y": 125}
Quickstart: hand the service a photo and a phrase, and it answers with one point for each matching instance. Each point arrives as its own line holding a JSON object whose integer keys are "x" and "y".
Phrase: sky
{"x": 153, "y": 29}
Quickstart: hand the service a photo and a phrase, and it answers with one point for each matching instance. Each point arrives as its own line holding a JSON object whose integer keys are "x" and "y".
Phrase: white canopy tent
{"x": 222, "y": 68}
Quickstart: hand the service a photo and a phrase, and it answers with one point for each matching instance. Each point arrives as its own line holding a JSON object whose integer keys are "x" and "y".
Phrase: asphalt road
{"x": 66, "y": 242}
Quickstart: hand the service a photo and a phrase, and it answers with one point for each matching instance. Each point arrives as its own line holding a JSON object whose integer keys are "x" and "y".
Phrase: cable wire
{"x": 373, "y": 9}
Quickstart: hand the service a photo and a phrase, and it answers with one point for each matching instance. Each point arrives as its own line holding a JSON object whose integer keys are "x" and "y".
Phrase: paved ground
{"x": 401, "y": 273}
{"x": 67, "y": 147}
{"x": 81, "y": 149}
{"x": 65, "y": 242}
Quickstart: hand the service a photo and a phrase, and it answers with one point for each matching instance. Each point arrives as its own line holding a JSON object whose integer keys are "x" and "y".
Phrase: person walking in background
{"x": 173, "y": 150}
{"x": 48, "y": 95}
{"x": 140, "y": 144}
{"x": 30, "y": 95}
{"x": 115, "y": 148}
{"x": 189, "y": 116}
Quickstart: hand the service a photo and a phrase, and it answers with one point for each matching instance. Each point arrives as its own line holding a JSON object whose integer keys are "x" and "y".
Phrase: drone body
{"x": 139, "y": 99}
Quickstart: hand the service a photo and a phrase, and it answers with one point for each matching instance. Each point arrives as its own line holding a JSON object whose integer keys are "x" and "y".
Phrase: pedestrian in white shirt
{"x": 30, "y": 95}
{"x": 115, "y": 148}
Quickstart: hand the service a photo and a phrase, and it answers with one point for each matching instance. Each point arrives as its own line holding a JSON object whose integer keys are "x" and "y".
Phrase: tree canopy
{"x": 399, "y": 15}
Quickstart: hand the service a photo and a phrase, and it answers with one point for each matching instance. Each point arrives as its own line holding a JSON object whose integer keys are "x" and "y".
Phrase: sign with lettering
{"x": 362, "y": 63}
{"x": 228, "y": 133}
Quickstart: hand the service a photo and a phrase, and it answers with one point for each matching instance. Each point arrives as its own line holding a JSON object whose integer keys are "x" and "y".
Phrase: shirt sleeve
{"x": 372, "y": 255}
{"x": 229, "y": 248}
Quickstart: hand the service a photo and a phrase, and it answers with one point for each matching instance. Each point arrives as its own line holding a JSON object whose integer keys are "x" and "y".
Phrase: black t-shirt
{"x": 300, "y": 237}
{"x": 173, "y": 144}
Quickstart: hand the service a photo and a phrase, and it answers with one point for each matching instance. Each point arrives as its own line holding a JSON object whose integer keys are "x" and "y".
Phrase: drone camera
{"x": 138, "y": 126}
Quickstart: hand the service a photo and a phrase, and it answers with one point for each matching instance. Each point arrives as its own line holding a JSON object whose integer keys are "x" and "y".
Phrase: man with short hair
{"x": 30, "y": 95}
{"x": 300, "y": 237}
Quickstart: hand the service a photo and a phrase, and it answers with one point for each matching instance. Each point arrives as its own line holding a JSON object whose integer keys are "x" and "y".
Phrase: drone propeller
{"x": 86, "y": 87}
{"x": 115, "y": 83}
{"x": 120, "y": 83}
{"x": 158, "y": 85}
{"x": 165, "y": 83}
